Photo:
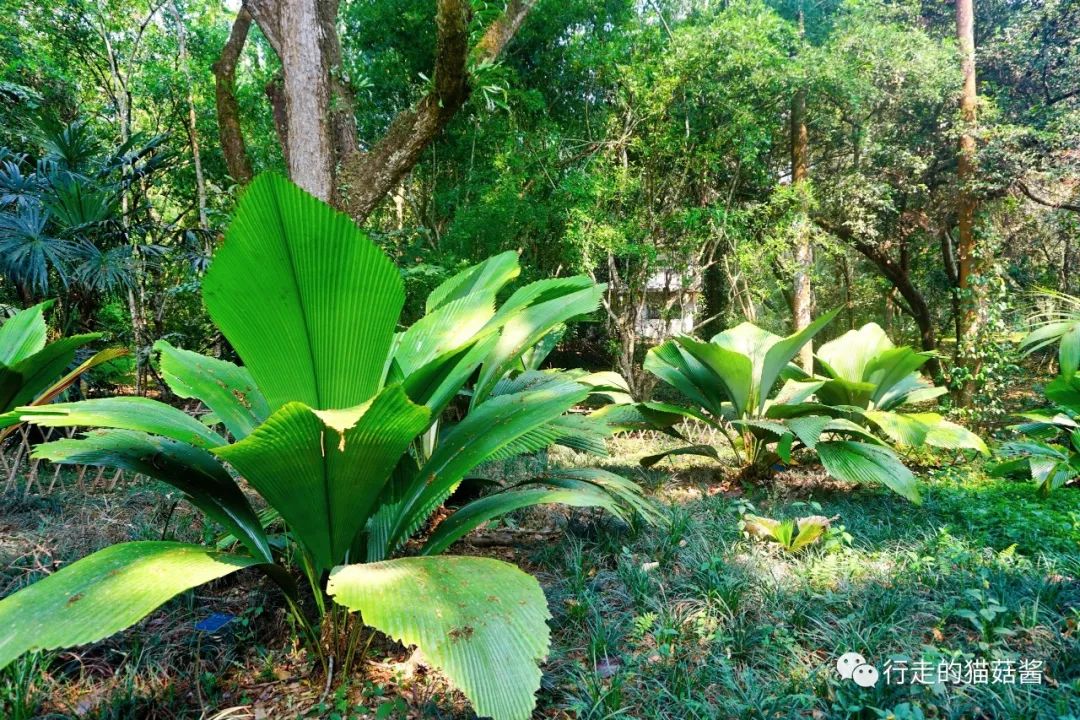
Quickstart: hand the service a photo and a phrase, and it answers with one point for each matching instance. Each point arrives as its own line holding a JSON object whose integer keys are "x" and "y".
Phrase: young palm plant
{"x": 31, "y": 371}
{"x": 1049, "y": 453}
{"x": 731, "y": 380}
{"x": 870, "y": 378}
{"x": 1058, "y": 323}
{"x": 330, "y": 421}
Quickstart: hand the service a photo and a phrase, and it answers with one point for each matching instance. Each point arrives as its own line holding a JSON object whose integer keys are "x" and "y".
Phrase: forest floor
{"x": 688, "y": 620}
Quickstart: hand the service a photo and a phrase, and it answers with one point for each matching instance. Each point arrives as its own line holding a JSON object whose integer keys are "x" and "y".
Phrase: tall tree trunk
{"x": 315, "y": 105}
{"x": 228, "y": 110}
{"x": 307, "y": 98}
{"x": 802, "y": 294}
{"x": 192, "y": 125}
{"x": 968, "y": 284}
{"x": 802, "y": 297}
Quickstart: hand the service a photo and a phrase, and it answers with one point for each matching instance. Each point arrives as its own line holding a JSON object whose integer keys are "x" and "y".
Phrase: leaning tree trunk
{"x": 228, "y": 110}
{"x": 969, "y": 287}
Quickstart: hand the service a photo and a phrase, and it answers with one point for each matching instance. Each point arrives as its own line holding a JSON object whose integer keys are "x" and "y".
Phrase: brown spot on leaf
{"x": 461, "y": 633}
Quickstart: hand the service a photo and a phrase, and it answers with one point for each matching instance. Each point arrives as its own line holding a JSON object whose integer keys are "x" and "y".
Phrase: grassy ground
{"x": 691, "y": 620}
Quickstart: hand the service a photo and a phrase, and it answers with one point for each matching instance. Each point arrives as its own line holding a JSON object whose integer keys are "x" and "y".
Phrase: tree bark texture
{"x": 802, "y": 298}
{"x": 228, "y": 110}
{"x": 968, "y": 284}
{"x": 313, "y": 105}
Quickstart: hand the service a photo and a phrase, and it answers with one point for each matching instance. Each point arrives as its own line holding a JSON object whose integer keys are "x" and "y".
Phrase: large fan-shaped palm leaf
{"x": 326, "y": 419}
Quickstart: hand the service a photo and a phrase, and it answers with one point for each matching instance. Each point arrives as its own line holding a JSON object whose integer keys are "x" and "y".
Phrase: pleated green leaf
{"x": 910, "y": 390}
{"x": 628, "y": 493}
{"x": 1065, "y": 392}
{"x": 862, "y": 463}
{"x": 228, "y": 390}
{"x": 795, "y": 392}
{"x": 23, "y": 334}
{"x": 479, "y": 620}
{"x": 732, "y": 370}
{"x": 487, "y": 277}
{"x": 848, "y": 357}
{"x": 524, "y": 329}
{"x": 487, "y": 428}
{"x": 701, "y": 450}
{"x": 437, "y": 382}
{"x": 470, "y": 516}
{"x": 950, "y": 436}
{"x": 99, "y": 358}
{"x": 125, "y": 413}
{"x": 307, "y": 300}
{"x": 780, "y": 353}
{"x": 324, "y": 471}
{"x": 808, "y": 428}
{"x": 682, "y": 371}
{"x": 918, "y": 429}
{"x": 541, "y": 291}
{"x": 192, "y": 470}
{"x": 105, "y": 593}
{"x": 841, "y": 391}
{"x": 29, "y": 377}
{"x": 1069, "y": 351}
{"x": 891, "y": 368}
{"x": 451, "y": 326}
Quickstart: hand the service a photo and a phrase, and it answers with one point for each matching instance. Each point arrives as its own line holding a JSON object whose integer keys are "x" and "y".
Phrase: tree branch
{"x": 365, "y": 178}
{"x": 1042, "y": 201}
{"x": 265, "y": 13}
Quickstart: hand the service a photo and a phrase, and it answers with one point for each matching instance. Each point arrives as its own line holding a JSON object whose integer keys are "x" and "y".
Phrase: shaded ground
{"x": 687, "y": 621}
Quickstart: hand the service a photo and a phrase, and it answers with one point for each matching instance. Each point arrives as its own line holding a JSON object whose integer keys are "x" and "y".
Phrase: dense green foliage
{"x": 612, "y": 139}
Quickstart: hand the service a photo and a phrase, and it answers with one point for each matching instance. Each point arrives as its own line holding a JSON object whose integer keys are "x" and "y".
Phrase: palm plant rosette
{"x": 332, "y": 420}
{"x": 743, "y": 383}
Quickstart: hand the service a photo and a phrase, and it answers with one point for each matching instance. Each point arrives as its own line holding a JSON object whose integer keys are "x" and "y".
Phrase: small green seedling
{"x": 790, "y": 534}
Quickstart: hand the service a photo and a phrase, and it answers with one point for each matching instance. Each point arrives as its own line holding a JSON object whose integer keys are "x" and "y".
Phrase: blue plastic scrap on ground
{"x": 214, "y": 623}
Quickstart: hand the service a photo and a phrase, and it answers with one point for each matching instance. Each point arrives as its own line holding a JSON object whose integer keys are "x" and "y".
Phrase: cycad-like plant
{"x": 62, "y": 217}
{"x": 733, "y": 380}
{"x": 31, "y": 371}
{"x": 331, "y": 419}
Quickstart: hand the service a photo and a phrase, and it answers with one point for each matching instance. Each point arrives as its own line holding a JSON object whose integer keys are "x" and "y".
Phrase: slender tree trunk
{"x": 802, "y": 297}
{"x": 313, "y": 105}
{"x": 228, "y": 110}
{"x": 305, "y": 80}
{"x": 968, "y": 284}
{"x": 192, "y": 124}
{"x": 716, "y": 294}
